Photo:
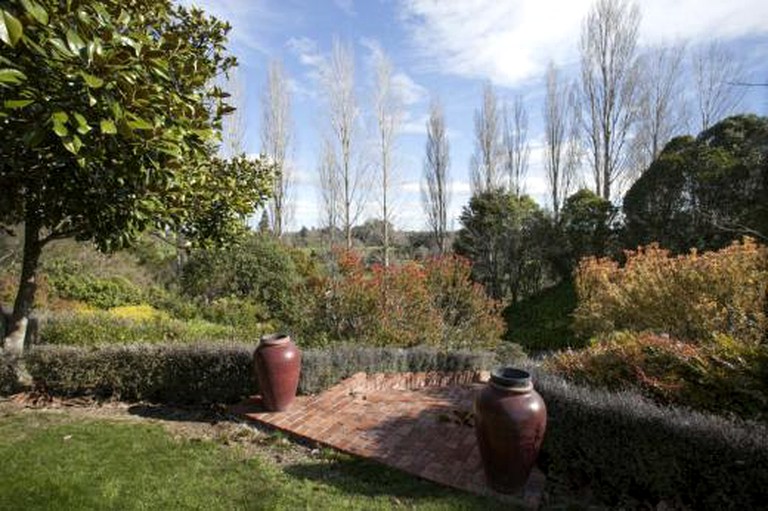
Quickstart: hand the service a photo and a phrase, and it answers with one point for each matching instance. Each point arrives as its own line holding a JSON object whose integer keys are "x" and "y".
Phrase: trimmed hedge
{"x": 204, "y": 373}
{"x": 9, "y": 382}
{"x": 627, "y": 448}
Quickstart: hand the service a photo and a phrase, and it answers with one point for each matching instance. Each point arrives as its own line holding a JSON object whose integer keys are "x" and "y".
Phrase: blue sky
{"x": 450, "y": 48}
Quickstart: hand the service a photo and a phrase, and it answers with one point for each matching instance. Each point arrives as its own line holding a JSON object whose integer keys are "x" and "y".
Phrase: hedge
{"x": 8, "y": 377}
{"x": 626, "y": 447}
{"x": 222, "y": 373}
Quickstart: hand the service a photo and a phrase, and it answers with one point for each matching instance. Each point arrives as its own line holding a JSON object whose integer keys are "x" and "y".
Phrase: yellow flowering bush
{"x": 691, "y": 297}
{"x": 141, "y": 312}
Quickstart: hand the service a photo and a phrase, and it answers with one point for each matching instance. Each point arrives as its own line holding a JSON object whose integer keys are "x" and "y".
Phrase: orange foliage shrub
{"x": 691, "y": 297}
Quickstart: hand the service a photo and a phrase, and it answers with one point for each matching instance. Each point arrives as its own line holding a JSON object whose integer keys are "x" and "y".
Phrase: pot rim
{"x": 275, "y": 339}
{"x": 511, "y": 379}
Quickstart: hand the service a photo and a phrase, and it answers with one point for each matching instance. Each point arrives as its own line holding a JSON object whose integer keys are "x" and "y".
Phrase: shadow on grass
{"x": 355, "y": 476}
{"x": 210, "y": 414}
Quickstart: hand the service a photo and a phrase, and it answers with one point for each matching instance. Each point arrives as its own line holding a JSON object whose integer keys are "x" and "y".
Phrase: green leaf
{"x": 140, "y": 124}
{"x": 170, "y": 149}
{"x": 60, "y": 46}
{"x": 124, "y": 17}
{"x": 75, "y": 43}
{"x": 72, "y": 144}
{"x": 59, "y": 120}
{"x": 91, "y": 81}
{"x": 60, "y": 129}
{"x": 12, "y": 76}
{"x": 108, "y": 127}
{"x": 206, "y": 134}
{"x": 82, "y": 124}
{"x": 36, "y": 11}
{"x": 102, "y": 12}
{"x": 127, "y": 41}
{"x": 13, "y": 104}
{"x": 11, "y": 29}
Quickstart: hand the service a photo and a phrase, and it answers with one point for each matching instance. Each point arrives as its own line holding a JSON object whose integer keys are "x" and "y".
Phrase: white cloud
{"x": 511, "y": 41}
{"x": 346, "y": 6}
{"x": 306, "y": 51}
{"x": 410, "y": 91}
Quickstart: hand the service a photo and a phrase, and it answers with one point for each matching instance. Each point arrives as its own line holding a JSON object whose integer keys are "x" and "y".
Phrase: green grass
{"x": 53, "y": 461}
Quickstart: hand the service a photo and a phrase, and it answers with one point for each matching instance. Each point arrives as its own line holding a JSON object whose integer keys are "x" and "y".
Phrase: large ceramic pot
{"x": 277, "y": 362}
{"x": 510, "y": 420}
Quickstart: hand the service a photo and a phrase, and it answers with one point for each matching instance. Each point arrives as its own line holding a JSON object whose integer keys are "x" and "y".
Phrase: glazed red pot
{"x": 510, "y": 420}
{"x": 277, "y": 362}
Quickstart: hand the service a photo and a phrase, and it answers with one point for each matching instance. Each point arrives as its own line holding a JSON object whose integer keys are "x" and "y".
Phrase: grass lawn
{"x": 60, "y": 461}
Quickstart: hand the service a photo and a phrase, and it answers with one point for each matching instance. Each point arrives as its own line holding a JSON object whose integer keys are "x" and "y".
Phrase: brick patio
{"x": 417, "y": 422}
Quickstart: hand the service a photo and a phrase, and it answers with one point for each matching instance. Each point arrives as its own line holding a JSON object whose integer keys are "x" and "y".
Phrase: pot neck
{"x": 512, "y": 390}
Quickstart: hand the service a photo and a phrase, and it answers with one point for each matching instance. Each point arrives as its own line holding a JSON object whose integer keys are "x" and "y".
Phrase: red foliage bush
{"x": 430, "y": 303}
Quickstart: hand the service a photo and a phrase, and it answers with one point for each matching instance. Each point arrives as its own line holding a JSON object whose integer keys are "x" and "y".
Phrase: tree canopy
{"x": 108, "y": 126}
{"x": 706, "y": 191}
{"x": 505, "y": 237}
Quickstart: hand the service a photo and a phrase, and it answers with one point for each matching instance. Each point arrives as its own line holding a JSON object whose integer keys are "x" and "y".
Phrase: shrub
{"x": 690, "y": 297}
{"x": 222, "y": 373}
{"x": 99, "y": 328}
{"x": 469, "y": 317}
{"x": 720, "y": 377}
{"x": 235, "y": 312}
{"x": 626, "y": 448}
{"x": 406, "y": 305}
{"x": 510, "y": 354}
{"x": 260, "y": 270}
{"x": 70, "y": 281}
{"x": 141, "y": 312}
{"x": 8, "y": 380}
{"x": 198, "y": 373}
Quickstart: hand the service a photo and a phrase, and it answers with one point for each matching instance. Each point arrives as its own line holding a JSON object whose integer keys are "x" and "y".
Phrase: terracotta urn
{"x": 510, "y": 420}
{"x": 277, "y": 362}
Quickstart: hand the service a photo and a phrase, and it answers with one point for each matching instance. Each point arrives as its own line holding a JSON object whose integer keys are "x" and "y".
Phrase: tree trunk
{"x": 25, "y": 297}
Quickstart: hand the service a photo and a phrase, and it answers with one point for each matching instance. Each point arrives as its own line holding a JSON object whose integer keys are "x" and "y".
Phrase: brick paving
{"x": 417, "y": 422}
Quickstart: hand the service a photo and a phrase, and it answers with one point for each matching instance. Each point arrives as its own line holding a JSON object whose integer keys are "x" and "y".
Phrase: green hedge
{"x": 627, "y": 448}
{"x": 204, "y": 373}
{"x": 8, "y": 380}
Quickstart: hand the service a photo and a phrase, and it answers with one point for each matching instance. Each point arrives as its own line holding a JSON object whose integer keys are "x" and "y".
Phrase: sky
{"x": 449, "y": 49}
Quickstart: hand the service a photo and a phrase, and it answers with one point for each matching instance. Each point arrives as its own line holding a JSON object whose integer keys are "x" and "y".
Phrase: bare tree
{"x": 338, "y": 79}
{"x": 609, "y": 81}
{"x": 435, "y": 188}
{"x": 388, "y": 108}
{"x": 276, "y": 138}
{"x": 517, "y": 150}
{"x": 329, "y": 190}
{"x": 486, "y": 161}
{"x": 560, "y": 139}
{"x": 661, "y": 108}
{"x": 716, "y": 70}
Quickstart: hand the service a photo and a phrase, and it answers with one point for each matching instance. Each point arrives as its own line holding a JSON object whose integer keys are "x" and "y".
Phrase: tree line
{"x": 601, "y": 130}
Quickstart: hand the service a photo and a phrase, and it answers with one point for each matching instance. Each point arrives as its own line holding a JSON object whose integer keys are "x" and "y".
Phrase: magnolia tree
{"x": 109, "y": 127}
